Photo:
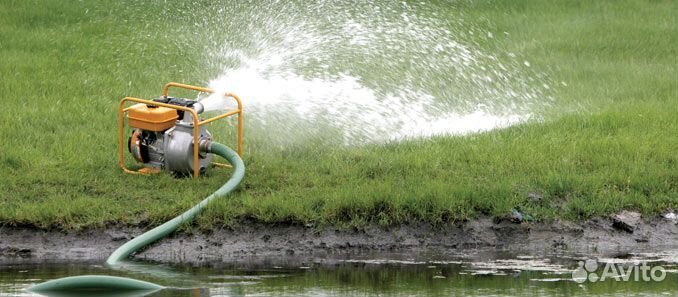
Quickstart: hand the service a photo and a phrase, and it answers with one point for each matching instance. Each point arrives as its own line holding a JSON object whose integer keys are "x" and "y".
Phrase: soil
{"x": 296, "y": 245}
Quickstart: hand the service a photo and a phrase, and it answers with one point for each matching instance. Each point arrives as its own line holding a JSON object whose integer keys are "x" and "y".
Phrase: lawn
{"x": 64, "y": 65}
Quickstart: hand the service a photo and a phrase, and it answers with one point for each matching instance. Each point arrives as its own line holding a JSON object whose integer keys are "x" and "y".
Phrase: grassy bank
{"x": 66, "y": 64}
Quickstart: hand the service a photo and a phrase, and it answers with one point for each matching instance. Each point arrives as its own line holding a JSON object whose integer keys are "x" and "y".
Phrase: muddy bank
{"x": 295, "y": 245}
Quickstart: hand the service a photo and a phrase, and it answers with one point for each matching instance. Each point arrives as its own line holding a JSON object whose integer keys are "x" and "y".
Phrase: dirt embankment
{"x": 256, "y": 242}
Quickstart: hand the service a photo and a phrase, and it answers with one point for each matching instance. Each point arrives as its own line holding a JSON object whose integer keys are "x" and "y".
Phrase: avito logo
{"x": 637, "y": 271}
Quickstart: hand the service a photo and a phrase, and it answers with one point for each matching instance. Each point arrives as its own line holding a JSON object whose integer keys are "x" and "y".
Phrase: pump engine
{"x": 162, "y": 138}
{"x": 168, "y": 133}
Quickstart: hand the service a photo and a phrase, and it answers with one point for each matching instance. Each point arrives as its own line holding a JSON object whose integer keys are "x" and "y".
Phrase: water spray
{"x": 167, "y": 135}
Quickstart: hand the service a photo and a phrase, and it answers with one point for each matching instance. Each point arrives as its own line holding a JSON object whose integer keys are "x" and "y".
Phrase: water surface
{"x": 514, "y": 275}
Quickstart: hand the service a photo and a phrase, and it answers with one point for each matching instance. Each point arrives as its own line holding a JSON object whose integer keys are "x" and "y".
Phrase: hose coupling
{"x": 205, "y": 145}
{"x": 198, "y": 107}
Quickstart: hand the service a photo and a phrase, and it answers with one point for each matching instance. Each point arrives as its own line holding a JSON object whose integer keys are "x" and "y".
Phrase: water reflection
{"x": 518, "y": 275}
{"x": 97, "y": 294}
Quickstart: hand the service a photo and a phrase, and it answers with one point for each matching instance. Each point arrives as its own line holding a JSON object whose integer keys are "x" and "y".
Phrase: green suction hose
{"x": 111, "y": 283}
{"x": 168, "y": 227}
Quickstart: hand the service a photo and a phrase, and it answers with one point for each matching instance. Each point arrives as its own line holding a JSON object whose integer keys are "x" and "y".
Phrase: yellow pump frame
{"x": 197, "y": 123}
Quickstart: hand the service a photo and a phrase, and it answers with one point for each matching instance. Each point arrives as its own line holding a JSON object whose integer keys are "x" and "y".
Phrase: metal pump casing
{"x": 179, "y": 149}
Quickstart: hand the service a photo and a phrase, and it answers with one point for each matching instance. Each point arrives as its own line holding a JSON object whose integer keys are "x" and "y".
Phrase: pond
{"x": 503, "y": 275}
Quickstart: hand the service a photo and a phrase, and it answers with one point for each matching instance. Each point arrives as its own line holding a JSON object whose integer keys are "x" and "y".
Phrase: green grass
{"x": 65, "y": 64}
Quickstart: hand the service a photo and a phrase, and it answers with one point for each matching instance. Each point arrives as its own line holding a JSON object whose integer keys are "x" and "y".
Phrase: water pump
{"x": 162, "y": 137}
{"x": 168, "y": 134}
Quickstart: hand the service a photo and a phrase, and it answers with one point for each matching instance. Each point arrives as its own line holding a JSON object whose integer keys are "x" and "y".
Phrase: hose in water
{"x": 104, "y": 282}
